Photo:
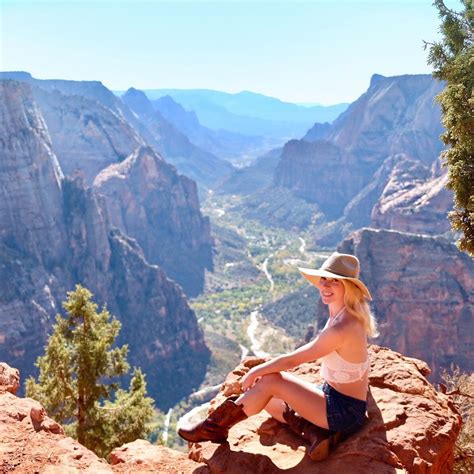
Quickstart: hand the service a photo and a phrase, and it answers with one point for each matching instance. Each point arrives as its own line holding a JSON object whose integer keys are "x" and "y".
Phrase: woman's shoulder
{"x": 348, "y": 323}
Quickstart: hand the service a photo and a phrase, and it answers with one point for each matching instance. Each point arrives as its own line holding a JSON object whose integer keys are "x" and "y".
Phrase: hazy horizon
{"x": 310, "y": 52}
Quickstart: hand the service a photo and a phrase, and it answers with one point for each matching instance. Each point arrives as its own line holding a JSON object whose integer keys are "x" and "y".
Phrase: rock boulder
{"x": 31, "y": 442}
{"x": 412, "y": 428}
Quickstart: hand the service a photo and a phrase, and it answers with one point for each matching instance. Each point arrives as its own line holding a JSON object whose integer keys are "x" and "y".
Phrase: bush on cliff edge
{"x": 461, "y": 387}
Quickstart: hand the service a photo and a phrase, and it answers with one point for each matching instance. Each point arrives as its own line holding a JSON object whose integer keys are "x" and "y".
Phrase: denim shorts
{"x": 345, "y": 414}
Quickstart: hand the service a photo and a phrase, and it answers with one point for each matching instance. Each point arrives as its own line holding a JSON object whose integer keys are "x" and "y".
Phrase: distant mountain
{"x": 251, "y": 178}
{"x": 201, "y": 165}
{"x": 237, "y": 148}
{"x": 380, "y": 148}
{"x": 249, "y": 113}
{"x": 55, "y": 233}
{"x": 92, "y": 130}
{"x": 97, "y": 128}
{"x": 149, "y": 202}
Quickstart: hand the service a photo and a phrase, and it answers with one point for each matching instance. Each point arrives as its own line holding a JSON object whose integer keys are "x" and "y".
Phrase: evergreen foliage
{"x": 453, "y": 62}
{"x": 75, "y": 373}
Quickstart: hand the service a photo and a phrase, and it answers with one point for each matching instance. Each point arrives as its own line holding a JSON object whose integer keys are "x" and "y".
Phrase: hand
{"x": 250, "y": 378}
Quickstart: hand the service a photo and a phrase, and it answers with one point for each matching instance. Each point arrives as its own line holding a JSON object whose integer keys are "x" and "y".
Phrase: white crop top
{"x": 338, "y": 370}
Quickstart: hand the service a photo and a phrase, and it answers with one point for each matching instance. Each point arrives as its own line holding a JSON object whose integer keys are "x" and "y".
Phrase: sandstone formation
{"x": 31, "y": 442}
{"x": 412, "y": 428}
{"x": 87, "y": 128}
{"x": 9, "y": 378}
{"x": 86, "y": 136}
{"x": 91, "y": 128}
{"x": 396, "y": 115}
{"x": 404, "y": 194}
{"x": 423, "y": 295}
{"x": 200, "y": 165}
{"x": 148, "y": 201}
{"x": 380, "y": 148}
{"x": 56, "y": 233}
{"x": 411, "y": 205}
{"x": 142, "y": 456}
{"x": 308, "y": 169}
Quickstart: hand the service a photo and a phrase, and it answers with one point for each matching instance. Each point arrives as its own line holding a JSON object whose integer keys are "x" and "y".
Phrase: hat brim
{"x": 313, "y": 276}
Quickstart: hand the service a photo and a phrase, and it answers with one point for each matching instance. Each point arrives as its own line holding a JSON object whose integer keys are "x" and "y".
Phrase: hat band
{"x": 337, "y": 273}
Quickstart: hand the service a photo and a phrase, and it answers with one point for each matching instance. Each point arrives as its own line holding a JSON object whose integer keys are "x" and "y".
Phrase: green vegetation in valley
{"x": 274, "y": 255}
{"x": 238, "y": 286}
{"x": 453, "y": 61}
{"x": 294, "y": 312}
{"x": 75, "y": 379}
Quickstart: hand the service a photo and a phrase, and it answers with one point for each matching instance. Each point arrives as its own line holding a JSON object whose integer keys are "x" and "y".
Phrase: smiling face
{"x": 331, "y": 290}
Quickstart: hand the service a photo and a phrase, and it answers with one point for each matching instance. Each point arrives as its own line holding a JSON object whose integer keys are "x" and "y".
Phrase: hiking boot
{"x": 216, "y": 426}
{"x": 321, "y": 441}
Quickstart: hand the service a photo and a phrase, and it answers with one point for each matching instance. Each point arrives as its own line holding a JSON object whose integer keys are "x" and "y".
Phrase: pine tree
{"x": 75, "y": 373}
{"x": 453, "y": 62}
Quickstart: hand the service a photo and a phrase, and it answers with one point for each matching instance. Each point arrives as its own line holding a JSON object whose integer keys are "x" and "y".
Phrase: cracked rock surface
{"x": 412, "y": 428}
{"x": 31, "y": 442}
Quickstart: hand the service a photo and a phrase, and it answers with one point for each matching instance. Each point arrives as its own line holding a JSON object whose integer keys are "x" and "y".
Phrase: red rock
{"x": 32, "y": 442}
{"x": 423, "y": 295}
{"x": 142, "y": 456}
{"x": 9, "y": 378}
{"x": 412, "y": 428}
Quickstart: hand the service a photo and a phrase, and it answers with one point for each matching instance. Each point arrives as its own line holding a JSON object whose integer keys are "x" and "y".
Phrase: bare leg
{"x": 303, "y": 397}
{"x": 276, "y": 407}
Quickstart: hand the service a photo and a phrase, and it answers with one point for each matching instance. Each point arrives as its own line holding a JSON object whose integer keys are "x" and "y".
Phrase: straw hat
{"x": 341, "y": 266}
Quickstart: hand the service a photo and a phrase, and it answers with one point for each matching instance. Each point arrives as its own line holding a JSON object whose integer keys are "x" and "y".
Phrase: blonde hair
{"x": 357, "y": 305}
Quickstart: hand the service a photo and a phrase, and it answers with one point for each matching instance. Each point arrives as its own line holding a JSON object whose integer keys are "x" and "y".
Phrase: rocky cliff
{"x": 91, "y": 128}
{"x": 411, "y": 204}
{"x": 150, "y": 202}
{"x": 404, "y": 194}
{"x": 423, "y": 295}
{"x": 412, "y": 428}
{"x": 367, "y": 155}
{"x": 86, "y": 136}
{"x": 87, "y": 125}
{"x": 34, "y": 443}
{"x": 322, "y": 173}
{"x": 395, "y": 115}
{"x": 200, "y": 165}
{"x": 56, "y": 233}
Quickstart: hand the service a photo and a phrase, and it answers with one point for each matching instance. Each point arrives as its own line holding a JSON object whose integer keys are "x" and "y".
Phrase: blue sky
{"x": 299, "y": 51}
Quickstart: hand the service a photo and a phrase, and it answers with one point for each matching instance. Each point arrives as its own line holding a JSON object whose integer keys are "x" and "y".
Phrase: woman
{"x": 339, "y": 406}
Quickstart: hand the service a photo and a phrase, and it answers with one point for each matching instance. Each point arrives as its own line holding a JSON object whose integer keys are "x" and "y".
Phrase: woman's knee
{"x": 271, "y": 380}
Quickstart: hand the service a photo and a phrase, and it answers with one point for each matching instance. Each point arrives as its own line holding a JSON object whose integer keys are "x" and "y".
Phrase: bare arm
{"x": 327, "y": 341}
